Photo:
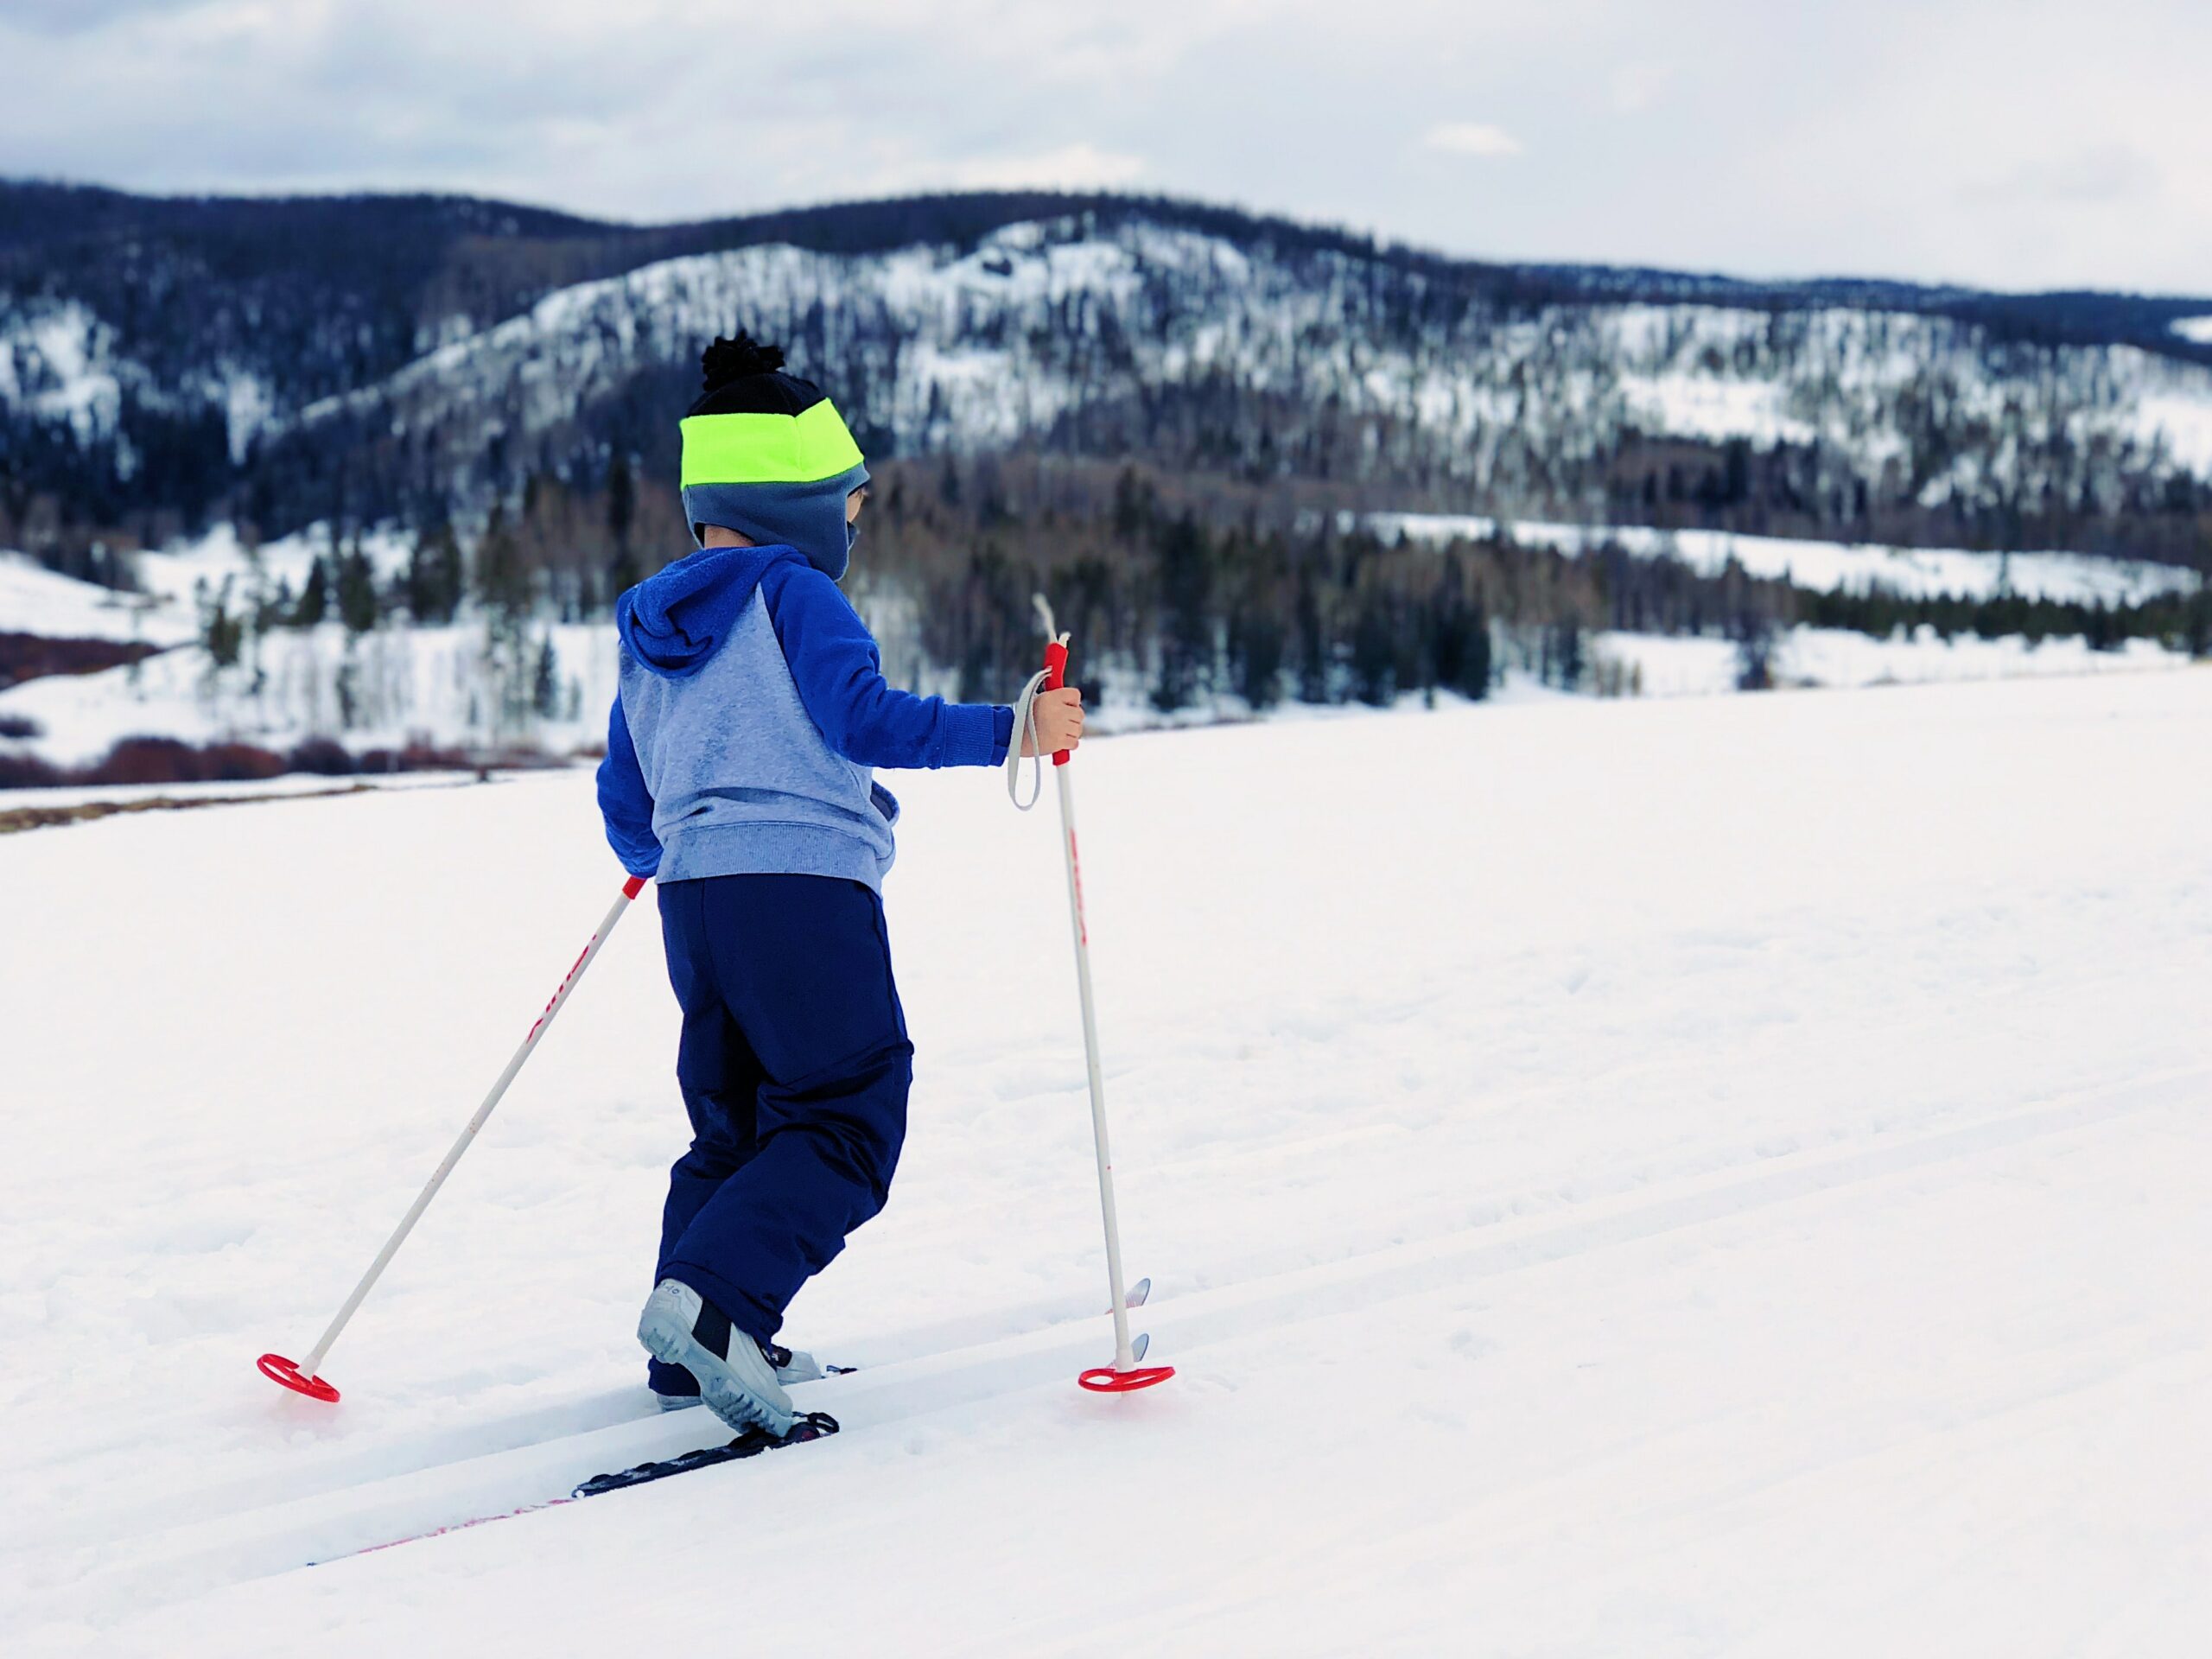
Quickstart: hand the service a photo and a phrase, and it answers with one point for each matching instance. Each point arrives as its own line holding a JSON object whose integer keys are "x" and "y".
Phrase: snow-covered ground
{"x": 382, "y": 690}
{"x": 180, "y": 572}
{"x": 1655, "y": 665}
{"x": 36, "y": 600}
{"x": 1828, "y": 566}
{"x": 386, "y": 689}
{"x": 259, "y": 788}
{"x": 1715, "y": 1176}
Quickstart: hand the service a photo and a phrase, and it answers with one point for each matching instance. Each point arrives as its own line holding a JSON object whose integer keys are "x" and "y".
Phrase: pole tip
{"x": 1105, "y": 1379}
{"x": 284, "y": 1372}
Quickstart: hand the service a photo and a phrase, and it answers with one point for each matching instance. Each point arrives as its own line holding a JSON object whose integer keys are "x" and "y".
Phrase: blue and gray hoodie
{"x": 751, "y": 712}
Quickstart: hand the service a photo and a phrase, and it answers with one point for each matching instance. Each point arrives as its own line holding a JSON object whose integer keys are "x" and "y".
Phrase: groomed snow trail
{"x": 1709, "y": 1177}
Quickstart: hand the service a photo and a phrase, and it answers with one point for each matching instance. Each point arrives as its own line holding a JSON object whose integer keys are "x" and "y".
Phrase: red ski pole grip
{"x": 1056, "y": 675}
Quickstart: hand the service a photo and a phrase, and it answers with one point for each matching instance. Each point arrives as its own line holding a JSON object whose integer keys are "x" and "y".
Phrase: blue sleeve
{"x": 624, "y": 800}
{"x": 839, "y": 673}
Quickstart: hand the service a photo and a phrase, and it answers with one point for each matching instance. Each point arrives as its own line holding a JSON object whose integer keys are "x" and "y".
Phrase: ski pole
{"x": 1124, "y": 1374}
{"x": 300, "y": 1378}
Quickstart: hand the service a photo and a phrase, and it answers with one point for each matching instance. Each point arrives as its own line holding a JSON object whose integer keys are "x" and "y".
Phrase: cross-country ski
{"x": 807, "y": 1425}
{"x": 810, "y": 1425}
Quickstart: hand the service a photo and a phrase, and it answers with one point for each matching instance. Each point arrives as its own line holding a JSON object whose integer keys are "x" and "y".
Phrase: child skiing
{"x": 751, "y": 711}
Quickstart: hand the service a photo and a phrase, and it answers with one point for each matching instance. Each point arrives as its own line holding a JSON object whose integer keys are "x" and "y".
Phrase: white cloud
{"x": 1636, "y": 87}
{"x": 2095, "y": 173}
{"x": 1072, "y": 167}
{"x": 1822, "y": 139}
{"x": 1472, "y": 138}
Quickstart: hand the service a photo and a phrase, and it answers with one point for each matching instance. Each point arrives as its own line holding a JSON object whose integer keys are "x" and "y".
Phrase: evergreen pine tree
{"x": 1374, "y": 652}
{"x": 1754, "y": 656}
{"x": 433, "y": 581}
{"x": 357, "y": 591}
{"x": 623, "y": 571}
{"x": 1460, "y": 636}
{"x": 1256, "y": 642}
{"x": 315, "y": 597}
{"x": 621, "y": 501}
{"x": 503, "y": 587}
{"x": 1132, "y": 504}
{"x": 1184, "y": 572}
{"x": 1566, "y": 655}
{"x": 545, "y": 683}
{"x": 221, "y": 631}
{"x": 1475, "y": 669}
{"x": 1312, "y": 643}
{"x": 502, "y": 580}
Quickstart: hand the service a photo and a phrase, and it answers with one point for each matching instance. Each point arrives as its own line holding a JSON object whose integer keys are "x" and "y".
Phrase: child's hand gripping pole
{"x": 1056, "y": 668}
{"x": 1051, "y": 677}
{"x": 1124, "y": 1374}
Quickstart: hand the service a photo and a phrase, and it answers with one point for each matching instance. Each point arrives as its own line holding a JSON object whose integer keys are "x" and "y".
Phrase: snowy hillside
{"x": 1828, "y": 566}
{"x": 1725, "y": 1176}
{"x": 389, "y": 360}
{"x": 1044, "y": 331}
{"x": 39, "y": 602}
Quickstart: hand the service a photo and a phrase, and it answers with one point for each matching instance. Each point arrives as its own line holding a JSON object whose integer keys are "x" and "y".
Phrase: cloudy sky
{"x": 2013, "y": 144}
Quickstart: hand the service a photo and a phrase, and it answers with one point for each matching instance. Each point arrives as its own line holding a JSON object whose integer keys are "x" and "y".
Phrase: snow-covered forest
{"x": 364, "y": 478}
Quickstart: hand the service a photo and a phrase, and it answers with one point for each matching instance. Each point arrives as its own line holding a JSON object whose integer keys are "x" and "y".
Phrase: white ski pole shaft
{"x": 1056, "y": 662}
{"x": 315, "y": 1356}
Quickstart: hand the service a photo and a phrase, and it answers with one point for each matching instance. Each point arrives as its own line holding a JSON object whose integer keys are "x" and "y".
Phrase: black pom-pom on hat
{"x": 733, "y": 359}
{"x": 745, "y": 376}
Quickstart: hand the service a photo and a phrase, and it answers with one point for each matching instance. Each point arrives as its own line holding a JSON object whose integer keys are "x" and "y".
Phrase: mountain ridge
{"x": 864, "y": 225}
{"x": 165, "y": 362}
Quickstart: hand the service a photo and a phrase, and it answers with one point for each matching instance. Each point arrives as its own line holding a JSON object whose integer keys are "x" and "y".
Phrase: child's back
{"x": 739, "y": 772}
{"x": 753, "y": 702}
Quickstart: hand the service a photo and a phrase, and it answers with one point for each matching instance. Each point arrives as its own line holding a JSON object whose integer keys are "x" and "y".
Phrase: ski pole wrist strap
{"x": 1025, "y": 725}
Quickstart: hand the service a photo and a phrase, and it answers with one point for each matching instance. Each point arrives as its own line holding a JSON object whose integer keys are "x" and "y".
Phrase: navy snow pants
{"x": 794, "y": 1064}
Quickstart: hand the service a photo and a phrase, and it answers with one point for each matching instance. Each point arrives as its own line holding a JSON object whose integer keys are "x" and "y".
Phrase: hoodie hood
{"x": 810, "y": 516}
{"x": 674, "y": 621}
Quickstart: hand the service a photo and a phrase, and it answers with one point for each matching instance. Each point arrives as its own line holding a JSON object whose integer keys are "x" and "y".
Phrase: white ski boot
{"x": 793, "y": 1366}
{"x": 679, "y": 1327}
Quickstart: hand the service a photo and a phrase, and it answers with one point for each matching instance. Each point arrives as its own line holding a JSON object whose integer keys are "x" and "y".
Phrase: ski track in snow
{"x": 1668, "y": 1178}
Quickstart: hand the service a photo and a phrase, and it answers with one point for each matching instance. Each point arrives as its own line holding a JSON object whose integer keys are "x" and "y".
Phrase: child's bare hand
{"x": 1058, "y": 715}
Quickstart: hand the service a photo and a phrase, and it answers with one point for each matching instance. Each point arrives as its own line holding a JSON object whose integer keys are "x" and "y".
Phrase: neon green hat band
{"x": 799, "y": 448}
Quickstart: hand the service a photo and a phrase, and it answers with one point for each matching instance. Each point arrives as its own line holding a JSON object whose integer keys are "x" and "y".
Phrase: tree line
{"x": 1195, "y": 589}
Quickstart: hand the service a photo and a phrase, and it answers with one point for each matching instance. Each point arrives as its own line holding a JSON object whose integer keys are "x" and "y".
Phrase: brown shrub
{"x": 325, "y": 757}
{"x": 28, "y": 772}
